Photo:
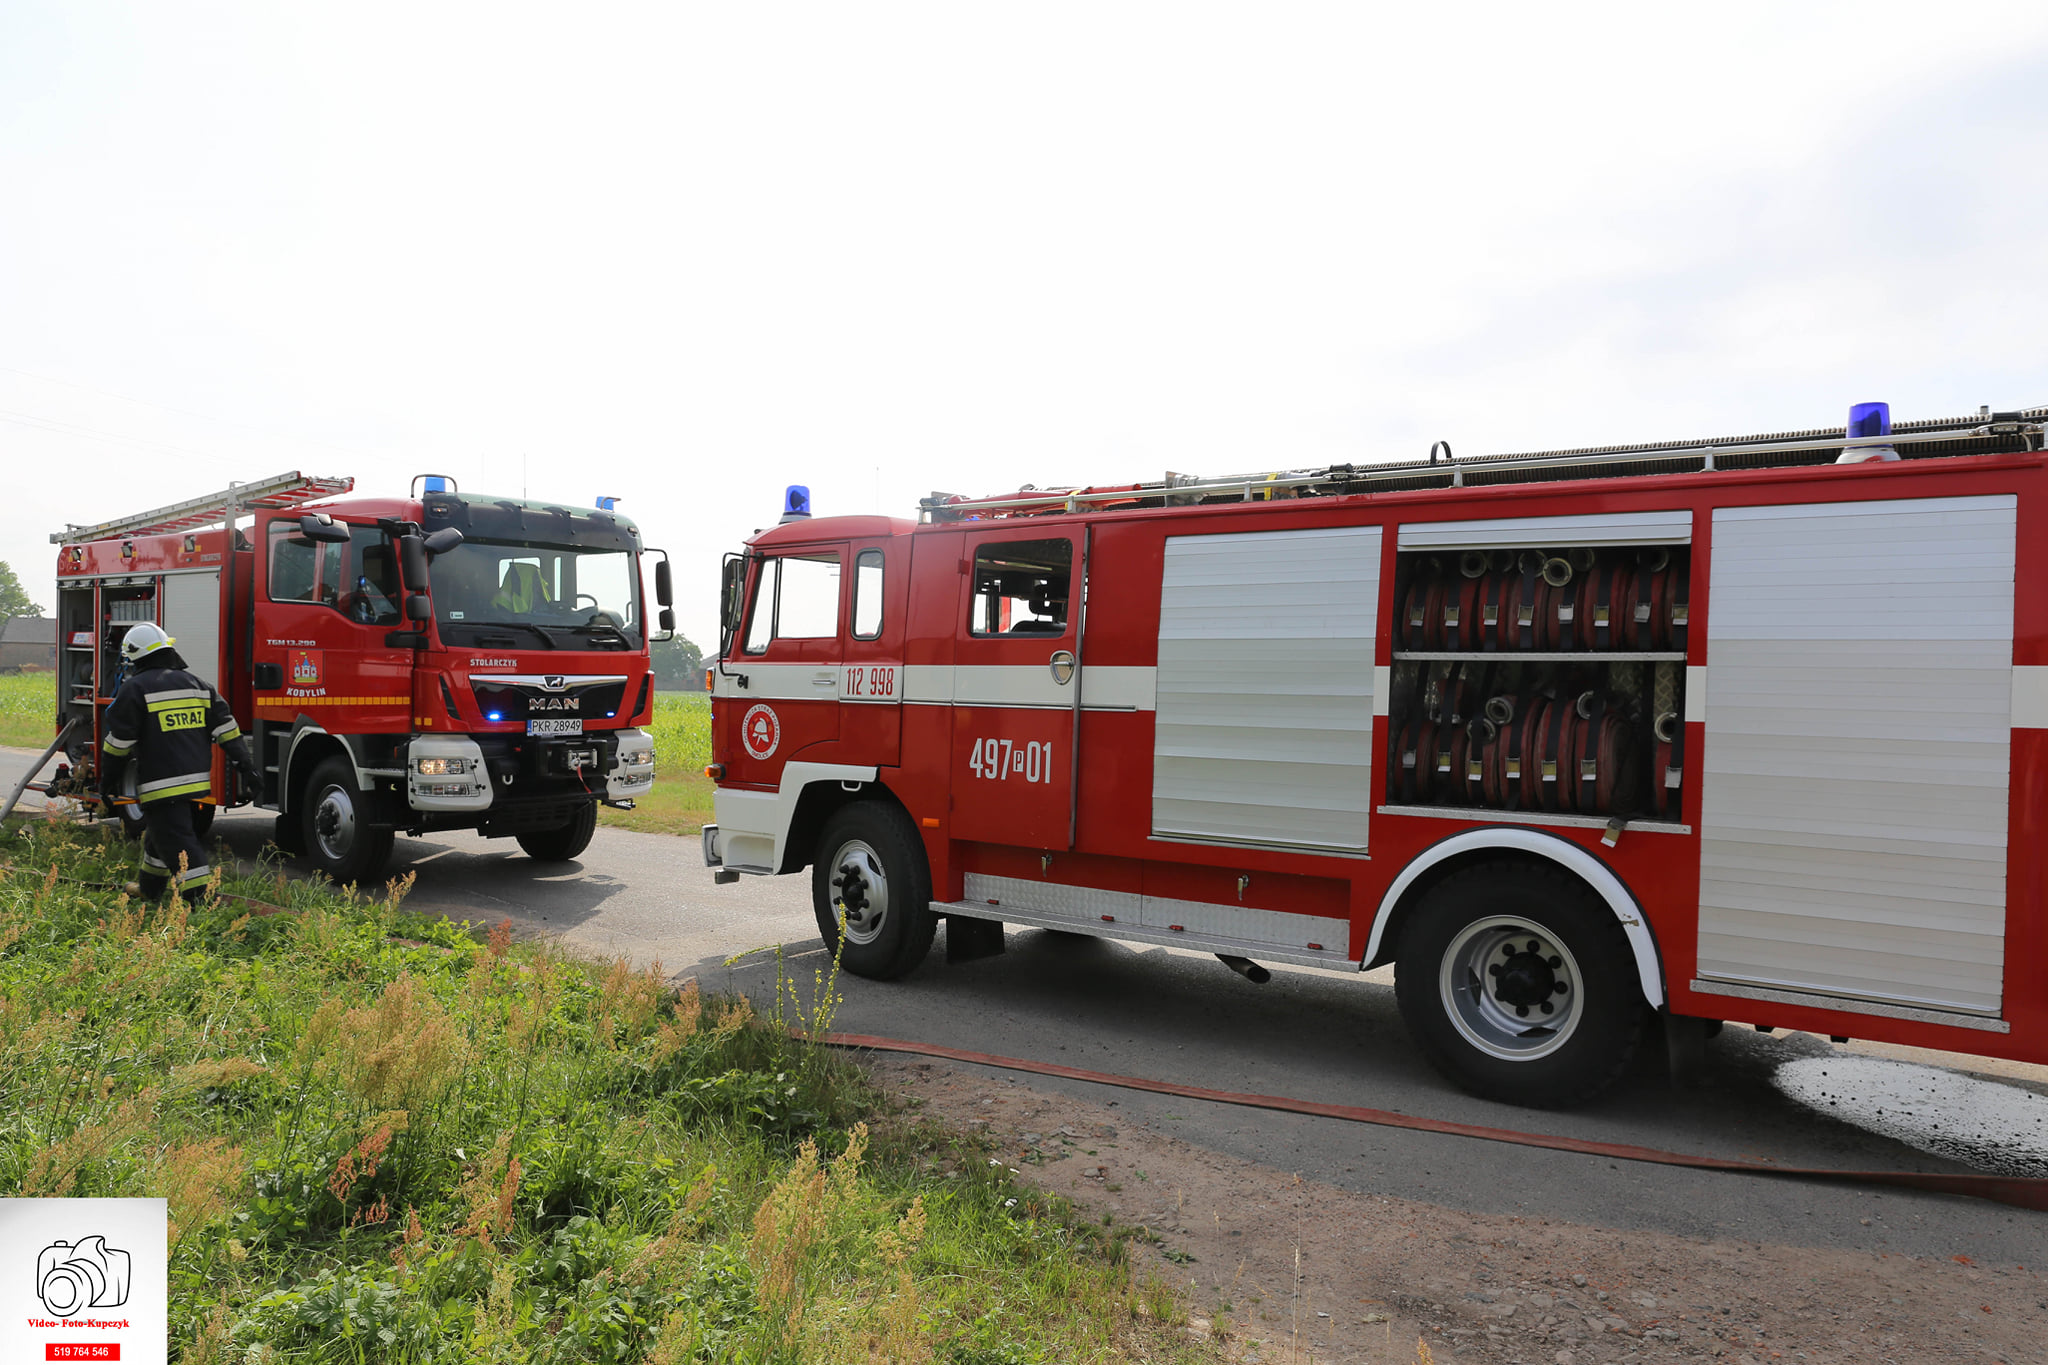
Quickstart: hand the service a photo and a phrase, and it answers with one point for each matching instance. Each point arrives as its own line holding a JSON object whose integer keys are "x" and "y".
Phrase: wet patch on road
{"x": 1999, "y": 1129}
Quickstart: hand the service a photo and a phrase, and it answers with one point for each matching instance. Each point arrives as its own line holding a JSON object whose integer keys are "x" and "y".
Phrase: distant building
{"x": 28, "y": 644}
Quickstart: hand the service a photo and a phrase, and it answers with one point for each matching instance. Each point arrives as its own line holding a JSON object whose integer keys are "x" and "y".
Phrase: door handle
{"x": 827, "y": 680}
{"x": 1062, "y": 665}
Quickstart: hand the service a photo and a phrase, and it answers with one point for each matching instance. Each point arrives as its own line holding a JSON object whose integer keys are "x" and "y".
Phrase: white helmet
{"x": 144, "y": 638}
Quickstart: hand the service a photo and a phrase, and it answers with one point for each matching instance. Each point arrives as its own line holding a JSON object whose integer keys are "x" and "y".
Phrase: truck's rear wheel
{"x": 562, "y": 844}
{"x": 870, "y": 872}
{"x": 336, "y": 826}
{"x": 1519, "y": 986}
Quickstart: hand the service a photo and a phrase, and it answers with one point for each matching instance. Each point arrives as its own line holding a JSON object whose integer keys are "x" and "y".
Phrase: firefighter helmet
{"x": 144, "y": 638}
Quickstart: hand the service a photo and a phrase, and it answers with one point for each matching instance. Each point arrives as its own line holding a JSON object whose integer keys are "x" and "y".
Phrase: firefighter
{"x": 167, "y": 721}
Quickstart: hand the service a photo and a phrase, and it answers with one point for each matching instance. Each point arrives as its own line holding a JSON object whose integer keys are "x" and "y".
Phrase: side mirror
{"x": 442, "y": 541}
{"x": 664, "y": 588}
{"x": 668, "y": 621}
{"x": 732, "y": 579}
{"x": 412, "y": 558}
{"x": 319, "y": 526}
{"x": 418, "y": 607}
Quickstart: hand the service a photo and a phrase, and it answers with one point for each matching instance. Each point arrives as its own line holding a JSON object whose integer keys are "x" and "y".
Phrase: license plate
{"x": 554, "y": 727}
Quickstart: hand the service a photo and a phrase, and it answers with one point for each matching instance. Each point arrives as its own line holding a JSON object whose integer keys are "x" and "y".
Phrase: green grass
{"x": 28, "y": 709}
{"x": 382, "y": 1140}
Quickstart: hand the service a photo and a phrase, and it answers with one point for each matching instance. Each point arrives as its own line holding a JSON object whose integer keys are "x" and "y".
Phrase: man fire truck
{"x": 431, "y": 662}
{"x": 1749, "y": 729}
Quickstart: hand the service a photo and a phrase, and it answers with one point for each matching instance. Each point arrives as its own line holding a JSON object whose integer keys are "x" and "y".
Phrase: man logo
{"x": 553, "y": 682}
{"x": 71, "y": 1277}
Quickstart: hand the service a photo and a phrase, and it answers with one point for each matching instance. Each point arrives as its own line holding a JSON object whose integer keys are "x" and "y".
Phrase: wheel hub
{"x": 334, "y": 823}
{"x": 860, "y": 891}
{"x": 1511, "y": 987}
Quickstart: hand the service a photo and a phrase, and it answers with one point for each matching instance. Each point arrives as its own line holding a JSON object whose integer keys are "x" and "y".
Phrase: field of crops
{"x": 28, "y": 709}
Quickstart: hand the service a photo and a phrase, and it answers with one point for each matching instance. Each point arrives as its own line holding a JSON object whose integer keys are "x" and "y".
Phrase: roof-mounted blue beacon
{"x": 607, "y": 504}
{"x": 796, "y": 504}
{"x": 1868, "y": 419}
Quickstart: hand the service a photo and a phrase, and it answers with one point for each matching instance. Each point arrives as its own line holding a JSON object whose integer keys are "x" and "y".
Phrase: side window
{"x": 867, "y": 595}
{"x": 761, "y": 608}
{"x": 303, "y": 570}
{"x": 1020, "y": 587}
{"x": 371, "y": 595}
{"x": 796, "y": 597}
{"x": 807, "y": 606}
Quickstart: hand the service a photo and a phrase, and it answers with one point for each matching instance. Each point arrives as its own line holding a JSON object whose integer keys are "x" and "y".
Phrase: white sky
{"x": 686, "y": 254}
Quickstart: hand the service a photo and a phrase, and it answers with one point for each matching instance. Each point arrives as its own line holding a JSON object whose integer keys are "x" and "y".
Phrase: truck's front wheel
{"x": 1517, "y": 984}
{"x": 334, "y": 821}
{"x": 561, "y": 844}
{"x": 870, "y": 875}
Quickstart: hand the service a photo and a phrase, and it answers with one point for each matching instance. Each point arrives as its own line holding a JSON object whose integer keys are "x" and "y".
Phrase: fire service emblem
{"x": 760, "y": 731}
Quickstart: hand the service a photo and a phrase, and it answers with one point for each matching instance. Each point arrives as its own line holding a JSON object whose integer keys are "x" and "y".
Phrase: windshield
{"x": 506, "y": 594}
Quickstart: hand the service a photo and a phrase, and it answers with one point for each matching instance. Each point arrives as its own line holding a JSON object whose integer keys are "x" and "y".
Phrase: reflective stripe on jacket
{"x": 168, "y": 721}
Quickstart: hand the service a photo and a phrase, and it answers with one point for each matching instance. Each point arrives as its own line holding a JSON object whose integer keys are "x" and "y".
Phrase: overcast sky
{"x": 687, "y": 254}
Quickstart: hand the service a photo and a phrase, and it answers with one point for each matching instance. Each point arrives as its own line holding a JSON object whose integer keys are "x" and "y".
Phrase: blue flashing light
{"x": 494, "y": 716}
{"x": 607, "y": 504}
{"x": 436, "y": 483}
{"x": 796, "y": 503}
{"x": 609, "y": 714}
{"x": 1870, "y": 419}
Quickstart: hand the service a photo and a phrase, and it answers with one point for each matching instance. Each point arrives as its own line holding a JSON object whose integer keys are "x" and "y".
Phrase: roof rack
{"x": 277, "y": 491}
{"x": 1985, "y": 434}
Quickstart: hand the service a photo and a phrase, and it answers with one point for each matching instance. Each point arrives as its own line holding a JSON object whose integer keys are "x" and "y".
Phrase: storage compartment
{"x": 1543, "y": 679}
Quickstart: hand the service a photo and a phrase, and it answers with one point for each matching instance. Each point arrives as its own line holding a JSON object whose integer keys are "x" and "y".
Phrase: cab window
{"x": 867, "y": 595}
{"x": 1020, "y": 587}
{"x": 796, "y": 597}
{"x": 303, "y": 570}
{"x": 359, "y": 579}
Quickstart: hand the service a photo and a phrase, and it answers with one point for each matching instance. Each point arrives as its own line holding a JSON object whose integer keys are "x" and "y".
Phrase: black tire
{"x": 1543, "y": 939}
{"x": 289, "y": 834}
{"x": 562, "y": 844}
{"x": 870, "y": 868}
{"x": 129, "y": 813}
{"x": 334, "y": 822}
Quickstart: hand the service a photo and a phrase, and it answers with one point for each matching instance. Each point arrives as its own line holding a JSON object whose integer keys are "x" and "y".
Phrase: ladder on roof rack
{"x": 1987, "y": 433}
{"x": 277, "y": 491}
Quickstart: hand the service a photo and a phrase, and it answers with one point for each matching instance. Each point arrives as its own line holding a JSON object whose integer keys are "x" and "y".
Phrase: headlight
{"x": 441, "y": 767}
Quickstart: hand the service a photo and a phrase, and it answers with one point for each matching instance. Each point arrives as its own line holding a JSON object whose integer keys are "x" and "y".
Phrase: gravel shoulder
{"x": 1292, "y": 1269}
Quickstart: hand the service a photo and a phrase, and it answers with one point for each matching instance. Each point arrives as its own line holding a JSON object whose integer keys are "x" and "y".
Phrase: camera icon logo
{"x": 73, "y": 1276}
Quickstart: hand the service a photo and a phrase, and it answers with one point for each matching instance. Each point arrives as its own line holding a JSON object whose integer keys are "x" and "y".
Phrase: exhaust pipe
{"x": 1246, "y": 968}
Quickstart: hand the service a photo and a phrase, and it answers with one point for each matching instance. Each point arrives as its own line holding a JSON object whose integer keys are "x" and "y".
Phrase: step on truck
{"x": 399, "y": 665}
{"x": 1582, "y": 742}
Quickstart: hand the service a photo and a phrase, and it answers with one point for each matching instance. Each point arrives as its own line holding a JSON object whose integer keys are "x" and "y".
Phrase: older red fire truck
{"x": 500, "y": 690}
{"x": 1751, "y": 729}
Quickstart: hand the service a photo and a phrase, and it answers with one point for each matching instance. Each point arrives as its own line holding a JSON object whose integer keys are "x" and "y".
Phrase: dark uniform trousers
{"x": 167, "y": 837}
{"x": 166, "y": 721}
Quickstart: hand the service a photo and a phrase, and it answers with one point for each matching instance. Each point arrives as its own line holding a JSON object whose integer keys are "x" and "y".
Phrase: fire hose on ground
{"x": 2021, "y": 1191}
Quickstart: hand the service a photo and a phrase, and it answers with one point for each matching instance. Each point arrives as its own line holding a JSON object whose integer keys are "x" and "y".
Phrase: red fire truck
{"x": 500, "y": 690}
{"x": 1747, "y": 730}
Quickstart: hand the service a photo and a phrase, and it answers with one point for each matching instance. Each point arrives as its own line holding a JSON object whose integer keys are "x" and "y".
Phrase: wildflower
{"x": 994, "y": 1162}
{"x": 1009, "y": 1203}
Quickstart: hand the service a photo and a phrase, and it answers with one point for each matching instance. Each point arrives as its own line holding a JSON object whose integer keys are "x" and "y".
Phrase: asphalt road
{"x": 1175, "y": 1016}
